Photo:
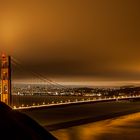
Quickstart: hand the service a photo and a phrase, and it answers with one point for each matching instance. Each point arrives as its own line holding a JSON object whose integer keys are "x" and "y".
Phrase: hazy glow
{"x": 88, "y": 40}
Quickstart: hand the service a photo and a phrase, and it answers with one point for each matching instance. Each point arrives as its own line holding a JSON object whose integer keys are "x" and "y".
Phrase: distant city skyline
{"x": 100, "y": 84}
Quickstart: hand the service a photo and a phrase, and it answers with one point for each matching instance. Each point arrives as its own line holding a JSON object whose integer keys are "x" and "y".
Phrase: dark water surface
{"x": 121, "y": 128}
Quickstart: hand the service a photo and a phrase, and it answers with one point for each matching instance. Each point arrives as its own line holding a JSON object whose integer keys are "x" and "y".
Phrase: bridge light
{"x": 14, "y": 107}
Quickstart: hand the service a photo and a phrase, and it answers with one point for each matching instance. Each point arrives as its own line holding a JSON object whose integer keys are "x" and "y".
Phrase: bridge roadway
{"x": 54, "y": 117}
{"x": 77, "y": 102}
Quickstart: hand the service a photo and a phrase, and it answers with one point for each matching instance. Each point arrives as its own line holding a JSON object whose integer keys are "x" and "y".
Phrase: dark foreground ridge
{"x": 18, "y": 126}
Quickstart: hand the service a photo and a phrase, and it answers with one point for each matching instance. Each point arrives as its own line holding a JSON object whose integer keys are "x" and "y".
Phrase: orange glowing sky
{"x": 74, "y": 40}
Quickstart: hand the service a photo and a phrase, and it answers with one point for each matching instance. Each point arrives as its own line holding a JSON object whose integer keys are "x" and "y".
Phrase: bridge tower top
{"x": 5, "y": 69}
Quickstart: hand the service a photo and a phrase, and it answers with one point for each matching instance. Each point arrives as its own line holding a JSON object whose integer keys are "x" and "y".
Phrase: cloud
{"x": 90, "y": 39}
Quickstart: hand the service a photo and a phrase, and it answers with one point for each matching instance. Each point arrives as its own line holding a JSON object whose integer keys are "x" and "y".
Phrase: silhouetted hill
{"x": 18, "y": 126}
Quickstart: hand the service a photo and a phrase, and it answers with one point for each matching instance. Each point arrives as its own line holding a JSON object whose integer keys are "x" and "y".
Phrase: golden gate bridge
{"x": 29, "y": 98}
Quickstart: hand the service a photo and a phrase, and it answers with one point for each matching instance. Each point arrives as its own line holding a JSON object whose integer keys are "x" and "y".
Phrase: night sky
{"x": 74, "y": 40}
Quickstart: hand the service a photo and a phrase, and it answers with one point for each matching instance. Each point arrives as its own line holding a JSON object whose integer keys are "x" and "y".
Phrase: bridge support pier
{"x": 5, "y": 79}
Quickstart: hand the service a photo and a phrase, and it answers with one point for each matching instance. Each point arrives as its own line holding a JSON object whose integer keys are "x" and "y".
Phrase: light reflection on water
{"x": 121, "y": 128}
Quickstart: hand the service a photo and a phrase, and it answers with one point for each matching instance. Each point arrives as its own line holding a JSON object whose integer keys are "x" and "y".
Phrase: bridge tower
{"x": 5, "y": 79}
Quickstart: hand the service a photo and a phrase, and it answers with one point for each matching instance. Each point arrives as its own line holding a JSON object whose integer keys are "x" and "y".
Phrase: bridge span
{"x": 130, "y": 98}
{"x": 7, "y": 97}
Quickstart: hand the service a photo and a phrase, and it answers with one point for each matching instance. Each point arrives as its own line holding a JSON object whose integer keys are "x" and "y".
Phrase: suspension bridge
{"x": 44, "y": 93}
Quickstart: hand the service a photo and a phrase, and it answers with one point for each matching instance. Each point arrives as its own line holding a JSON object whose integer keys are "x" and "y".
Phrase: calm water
{"x": 121, "y": 128}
